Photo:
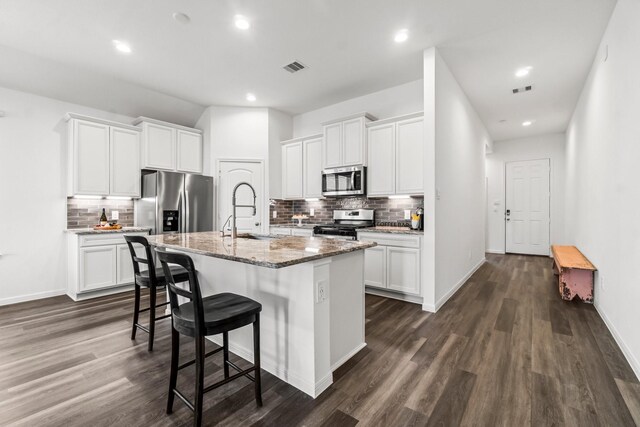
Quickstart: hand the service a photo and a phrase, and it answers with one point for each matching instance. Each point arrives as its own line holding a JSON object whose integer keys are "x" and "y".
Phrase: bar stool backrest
{"x": 137, "y": 260}
{"x": 193, "y": 294}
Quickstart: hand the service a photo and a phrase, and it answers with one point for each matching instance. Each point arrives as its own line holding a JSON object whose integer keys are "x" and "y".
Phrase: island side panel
{"x": 347, "y": 307}
{"x": 289, "y": 323}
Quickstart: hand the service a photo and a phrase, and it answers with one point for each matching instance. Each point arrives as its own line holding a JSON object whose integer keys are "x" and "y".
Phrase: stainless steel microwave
{"x": 347, "y": 181}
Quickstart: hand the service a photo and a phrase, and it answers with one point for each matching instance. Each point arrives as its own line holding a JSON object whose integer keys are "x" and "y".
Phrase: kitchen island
{"x": 312, "y": 295}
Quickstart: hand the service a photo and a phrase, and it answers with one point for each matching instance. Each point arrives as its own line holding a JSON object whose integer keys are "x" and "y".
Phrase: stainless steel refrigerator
{"x": 175, "y": 203}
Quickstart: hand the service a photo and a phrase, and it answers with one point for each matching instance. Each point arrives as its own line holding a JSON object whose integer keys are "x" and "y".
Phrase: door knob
{"x": 257, "y": 224}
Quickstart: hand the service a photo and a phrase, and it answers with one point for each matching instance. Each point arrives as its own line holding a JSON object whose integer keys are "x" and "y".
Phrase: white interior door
{"x": 527, "y": 207}
{"x": 230, "y": 174}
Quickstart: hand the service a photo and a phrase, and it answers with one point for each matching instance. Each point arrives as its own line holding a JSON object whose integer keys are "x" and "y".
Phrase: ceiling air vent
{"x": 294, "y": 67}
{"x": 522, "y": 89}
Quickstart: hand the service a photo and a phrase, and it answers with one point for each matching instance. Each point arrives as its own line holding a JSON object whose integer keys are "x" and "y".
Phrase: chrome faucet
{"x": 234, "y": 230}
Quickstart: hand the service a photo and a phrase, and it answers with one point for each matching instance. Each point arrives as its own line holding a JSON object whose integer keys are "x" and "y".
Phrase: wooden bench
{"x": 575, "y": 273}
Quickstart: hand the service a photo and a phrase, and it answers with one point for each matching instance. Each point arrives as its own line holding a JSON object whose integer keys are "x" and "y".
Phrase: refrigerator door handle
{"x": 185, "y": 220}
{"x": 182, "y": 213}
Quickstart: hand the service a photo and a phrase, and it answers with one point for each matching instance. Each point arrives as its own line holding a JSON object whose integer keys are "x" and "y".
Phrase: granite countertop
{"x": 272, "y": 252}
{"x": 81, "y": 231}
{"x": 391, "y": 230}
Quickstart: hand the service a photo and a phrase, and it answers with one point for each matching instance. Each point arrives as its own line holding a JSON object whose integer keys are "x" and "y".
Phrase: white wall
{"x": 603, "y": 177}
{"x": 33, "y": 172}
{"x": 460, "y": 139}
{"x": 394, "y": 101}
{"x": 245, "y": 133}
{"x": 550, "y": 146}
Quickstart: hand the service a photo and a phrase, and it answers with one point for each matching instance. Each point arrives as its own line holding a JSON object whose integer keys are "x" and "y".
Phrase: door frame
{"x": 504, "y": 189}
{"x": 265, "y": 200}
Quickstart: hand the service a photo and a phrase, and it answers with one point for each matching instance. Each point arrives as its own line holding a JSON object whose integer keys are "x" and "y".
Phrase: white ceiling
{"x": 348, "y": 46}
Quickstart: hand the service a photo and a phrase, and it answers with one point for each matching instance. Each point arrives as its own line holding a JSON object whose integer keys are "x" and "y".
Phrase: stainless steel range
{"x": 346, "y": 222}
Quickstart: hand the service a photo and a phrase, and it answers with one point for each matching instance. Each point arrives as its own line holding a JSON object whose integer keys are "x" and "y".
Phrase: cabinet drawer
{"x": 106, "y": 239}
{"x": 397, "y": 240}
{"x": 280, "y": 231}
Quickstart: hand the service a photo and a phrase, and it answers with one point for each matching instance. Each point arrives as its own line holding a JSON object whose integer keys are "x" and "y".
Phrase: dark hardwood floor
{"x": 504, "y": 351}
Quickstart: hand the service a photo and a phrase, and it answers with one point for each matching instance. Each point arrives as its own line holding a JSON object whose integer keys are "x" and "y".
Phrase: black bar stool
{"x": 211, "y": 315}
{"x": 152, "y": 278}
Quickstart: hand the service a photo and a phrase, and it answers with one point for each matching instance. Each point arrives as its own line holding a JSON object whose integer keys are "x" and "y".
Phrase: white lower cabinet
{"x": 375, "y": 267}
{"x": 291, "y": 231}
{"x": 302, "y": 232}
{"x": 393, "y": 265}
{"x": 403, "y": 270}
{"x": 99, "y": 264}
{"x": 97, "y": 268}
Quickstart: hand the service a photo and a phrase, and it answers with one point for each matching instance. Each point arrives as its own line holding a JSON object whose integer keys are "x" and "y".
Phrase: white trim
{"x": 495, "y": 251}
{"x": 395, "y": 119}
{"x": 445, "y": 298}
{"x": 635, "y": 364}
{"x": 347, "y": 356}
{"x": 85, "y": 295}
{"x": 323, "y": 384}
{"x": 352, "y": 116}
{"x": 31, "y": 297}
{"x": 143, "y": 119}
{"x": 306, "y": 387}
{"x": 301, "y": 139}
{"x": 77, "y": 116}
{"x": 415, "y": 299}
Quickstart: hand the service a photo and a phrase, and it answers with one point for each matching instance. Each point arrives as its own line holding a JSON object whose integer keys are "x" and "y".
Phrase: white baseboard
{"x": 635, "y": 364}
{"x": 347, "y": 356}
{"x": 301, "y": 384}
{"x": 433, "y": 309}
{"x": 31, "y": 297}
{"x": 495, "y": 251}
{"x": 395, "y": 295}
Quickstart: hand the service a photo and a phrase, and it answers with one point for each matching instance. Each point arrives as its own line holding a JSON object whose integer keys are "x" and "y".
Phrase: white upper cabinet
{"x": 125, "y": 163}
{"x": 345, "y": 141}
{"x": 292, "y": 175}
{"x": 90, "y": 145}
{"x": 332, "y": 152}
{"x": 312, "y": 168}
{"x": 302, "y": 168}
{"x": 159, "y": 146}
{"x": 166, "y": 146}
{"x": 104, "y": 157}
{"x": 381, "y": 165}
{"x": 395, "y": 156}
{"x": 410, "y": 156}
{"x": 189, "y": 151}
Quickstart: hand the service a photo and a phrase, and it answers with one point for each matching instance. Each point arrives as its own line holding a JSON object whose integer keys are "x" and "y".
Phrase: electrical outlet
{"x": 407, "y": 214}
{"x": 322, "y": 291}
{"x": 470, "y": 254}
{"x": 601, "y": 276}
{"x": 275, "y": 214}
{"x": 115, "y": 215}
{"x": 312, "y": 212}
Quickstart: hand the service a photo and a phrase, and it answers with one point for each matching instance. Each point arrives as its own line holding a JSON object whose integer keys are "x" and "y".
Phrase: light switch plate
{"x": 312, "y": 212}
{"x": 275, "y": 214}
{"x": 115, "y": 215}
{"x": 407, "y": 214}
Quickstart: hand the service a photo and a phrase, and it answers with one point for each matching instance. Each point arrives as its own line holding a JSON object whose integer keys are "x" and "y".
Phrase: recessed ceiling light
{"x": 527, "y": 123}
{"x": 182, "y": 18}
{"x": 401, "y": 36}
{"x": 241, "y": 22}
{"x": 121, "y": 46}
{"x": 522, "y": 72}
{"x": 251, "y": 97}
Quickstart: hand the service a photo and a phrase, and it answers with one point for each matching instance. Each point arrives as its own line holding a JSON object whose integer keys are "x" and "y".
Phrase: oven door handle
{"x": 353, "y": 181}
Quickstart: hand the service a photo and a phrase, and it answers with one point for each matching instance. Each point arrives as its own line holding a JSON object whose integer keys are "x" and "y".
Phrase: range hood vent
{"x": 522, "y": 89}
{"x": 294, "y": 67}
